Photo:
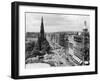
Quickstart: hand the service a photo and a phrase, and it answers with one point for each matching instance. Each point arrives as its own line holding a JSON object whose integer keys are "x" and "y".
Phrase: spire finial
{"x": 42, "y": 19}
{"x": 85, "y": 24}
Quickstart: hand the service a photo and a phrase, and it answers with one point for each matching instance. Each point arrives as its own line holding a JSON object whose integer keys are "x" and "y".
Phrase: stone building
{"x": 42, "y": 46}
{"x": 79, "y": 46}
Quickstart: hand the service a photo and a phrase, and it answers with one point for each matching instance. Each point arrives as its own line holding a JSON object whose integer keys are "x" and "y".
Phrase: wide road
{"x": 60, "y": 55}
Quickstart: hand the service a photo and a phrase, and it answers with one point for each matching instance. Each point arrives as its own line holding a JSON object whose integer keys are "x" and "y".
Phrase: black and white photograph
{"x": 56, "y": 40}
{"x": 50, "y": 40}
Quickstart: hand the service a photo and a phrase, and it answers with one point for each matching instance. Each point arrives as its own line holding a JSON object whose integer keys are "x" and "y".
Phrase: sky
{"x": 56, "y": 22}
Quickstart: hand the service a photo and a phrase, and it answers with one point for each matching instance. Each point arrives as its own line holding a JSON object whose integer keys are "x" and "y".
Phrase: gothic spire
{"x": 42, "y": 26}
{"x": 42, "y": 33}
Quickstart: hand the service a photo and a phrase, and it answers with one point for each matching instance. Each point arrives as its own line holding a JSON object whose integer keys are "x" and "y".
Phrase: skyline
{"x": 55, "y": 22}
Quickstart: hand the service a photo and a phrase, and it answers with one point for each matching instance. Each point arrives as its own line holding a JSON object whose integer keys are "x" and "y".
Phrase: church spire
{"x": 42, "y": 44}
{"x": 42, "y": 33}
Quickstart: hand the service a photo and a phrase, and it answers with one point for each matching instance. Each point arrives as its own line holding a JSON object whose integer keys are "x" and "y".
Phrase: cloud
{"x": 55, "y": 22}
